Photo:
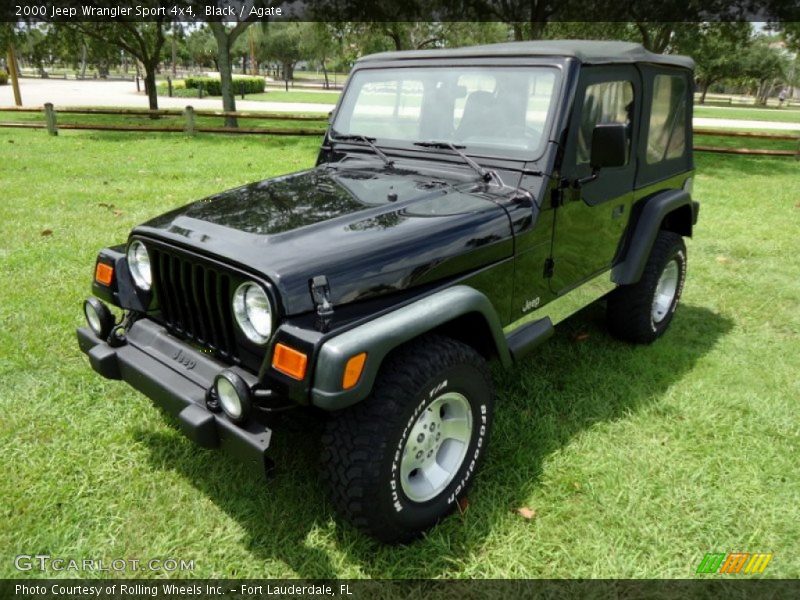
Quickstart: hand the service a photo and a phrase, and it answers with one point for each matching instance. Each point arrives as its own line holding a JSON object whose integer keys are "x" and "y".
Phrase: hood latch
{"x": 321, "y": 295}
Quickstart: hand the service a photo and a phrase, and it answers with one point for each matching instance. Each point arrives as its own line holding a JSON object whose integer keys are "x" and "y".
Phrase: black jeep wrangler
{"x": 463, "y": 203}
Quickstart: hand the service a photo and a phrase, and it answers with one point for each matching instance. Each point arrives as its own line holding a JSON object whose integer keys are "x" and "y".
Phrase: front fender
{"x": 382, "y": 335}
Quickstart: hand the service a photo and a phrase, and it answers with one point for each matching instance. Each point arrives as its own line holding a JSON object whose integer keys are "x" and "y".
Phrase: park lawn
{"x": 720, "y": 141}
{"x": 774, "y": 114}
{"x": 296, "y": 96}
{"x": 634, "y": 461}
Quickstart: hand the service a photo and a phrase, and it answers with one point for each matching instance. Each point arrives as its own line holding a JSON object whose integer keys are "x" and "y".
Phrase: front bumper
{"x": 176, "y": 377}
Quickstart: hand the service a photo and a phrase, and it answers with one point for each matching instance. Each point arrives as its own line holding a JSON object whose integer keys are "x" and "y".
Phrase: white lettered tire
{"x": 399, "y": 461}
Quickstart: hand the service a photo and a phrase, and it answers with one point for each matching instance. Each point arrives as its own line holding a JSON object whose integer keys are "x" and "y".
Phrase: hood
{"x": 370, "y": 230}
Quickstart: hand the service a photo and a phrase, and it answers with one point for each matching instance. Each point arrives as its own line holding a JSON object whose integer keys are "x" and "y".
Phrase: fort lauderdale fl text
{"x": 113, "y": 12}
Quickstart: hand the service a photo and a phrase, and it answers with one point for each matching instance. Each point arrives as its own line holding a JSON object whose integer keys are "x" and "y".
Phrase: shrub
{"x": 4, "y": 79}
{"x": 211, "y": 85}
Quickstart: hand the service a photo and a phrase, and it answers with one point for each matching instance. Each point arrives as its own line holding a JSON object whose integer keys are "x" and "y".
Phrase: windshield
{"x": 491, "y": 111}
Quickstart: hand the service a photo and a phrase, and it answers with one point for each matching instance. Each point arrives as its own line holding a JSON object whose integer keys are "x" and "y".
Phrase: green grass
{"x": 636, "y": 460}
{"x": 290, "y": 96}
{"x": 774, "y": 114}
{"x": 720, "y": 141}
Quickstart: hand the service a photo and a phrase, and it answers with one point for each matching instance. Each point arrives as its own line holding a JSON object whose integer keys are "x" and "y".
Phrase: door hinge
{"x": 557, "y": 193}
{"x": 549, "y": 265}
{"x": 556, "y": 197}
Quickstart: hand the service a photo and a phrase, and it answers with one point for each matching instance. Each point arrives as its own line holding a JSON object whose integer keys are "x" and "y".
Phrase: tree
{"x": 71, "y": 47}
{"x": 321, "y": 46}
{"x": 466, "y": 33}
{"x": 284, "y": 45}
{"x": 202, "y": 47}
{"x": 142, "y": 40}
{"x": 226, "y": 37}
{"x": 527, "y": 18}
{"x": 226, "y": 34}
{"x": 589, "y": 30}
{"x": 716, "y": 49}
{"x": 33, "y": 47}
{"x": 765, "y": 66}
{"x": 790, "y": 32}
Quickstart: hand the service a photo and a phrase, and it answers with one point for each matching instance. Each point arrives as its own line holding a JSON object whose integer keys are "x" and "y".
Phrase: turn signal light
{"x": 353, "y": 369}
{"x": 104, "y": 273}
{"x": 289, "y": 361}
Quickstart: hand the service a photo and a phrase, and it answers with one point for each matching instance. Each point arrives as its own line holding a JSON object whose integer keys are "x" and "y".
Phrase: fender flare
{"x": 629, "y": 270}
{"x": 383, "y": 334}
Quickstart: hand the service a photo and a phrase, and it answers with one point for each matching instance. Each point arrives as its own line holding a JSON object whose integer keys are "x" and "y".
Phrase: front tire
{"x": 640, "y": 313}
{"x": 398, "y": 462}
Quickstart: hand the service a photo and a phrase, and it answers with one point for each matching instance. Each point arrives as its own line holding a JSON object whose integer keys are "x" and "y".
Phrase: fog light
{"x": 233, "y": 396}
{"x": 98, "y": 317}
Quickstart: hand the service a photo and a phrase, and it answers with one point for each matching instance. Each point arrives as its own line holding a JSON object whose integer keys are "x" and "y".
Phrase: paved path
{"x": 745, "y": 124}
{"x": 35, "y": 92}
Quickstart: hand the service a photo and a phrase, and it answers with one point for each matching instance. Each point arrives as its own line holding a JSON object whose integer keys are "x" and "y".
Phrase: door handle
{"x": 618, "y": 211}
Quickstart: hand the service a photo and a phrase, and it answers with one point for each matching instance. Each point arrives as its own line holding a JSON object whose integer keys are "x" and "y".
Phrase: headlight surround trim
{"x": 139, "y": 265}
{"x": 253, "y": 312}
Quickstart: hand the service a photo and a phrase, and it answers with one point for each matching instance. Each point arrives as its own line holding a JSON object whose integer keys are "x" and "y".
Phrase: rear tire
{"x": 640, "y": 313}
{"x": 398, "y": 462}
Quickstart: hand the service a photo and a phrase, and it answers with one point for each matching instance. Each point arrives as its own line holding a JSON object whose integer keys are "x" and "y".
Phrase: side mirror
{"x": 609, "y": 146}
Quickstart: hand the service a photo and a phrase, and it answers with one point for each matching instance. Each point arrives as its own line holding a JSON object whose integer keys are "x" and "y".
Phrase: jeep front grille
{"x": 195, "y": 301}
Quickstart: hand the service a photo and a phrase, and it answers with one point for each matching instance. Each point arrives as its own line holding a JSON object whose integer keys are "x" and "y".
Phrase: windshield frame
{"x": 558, "y": 65}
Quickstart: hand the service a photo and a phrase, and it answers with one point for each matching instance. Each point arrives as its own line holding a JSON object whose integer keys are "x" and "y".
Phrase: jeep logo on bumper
{"x": 184, "y": 360}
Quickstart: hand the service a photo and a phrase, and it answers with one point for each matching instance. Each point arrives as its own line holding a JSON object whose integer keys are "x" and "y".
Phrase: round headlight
{"x": 253, "y": 312}
{"x": 139, "y": 265}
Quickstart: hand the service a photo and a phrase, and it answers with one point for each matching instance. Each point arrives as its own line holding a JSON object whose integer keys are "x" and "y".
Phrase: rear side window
{"x": 666, "y": 138}
{"x": 606, "y": 102}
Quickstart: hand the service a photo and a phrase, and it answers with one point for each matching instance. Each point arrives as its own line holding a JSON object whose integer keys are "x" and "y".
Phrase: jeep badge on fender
{"x": 464, "y": 202}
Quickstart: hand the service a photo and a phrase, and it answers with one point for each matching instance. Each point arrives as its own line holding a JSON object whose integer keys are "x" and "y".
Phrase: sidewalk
{"x": 36, "y": 92}
{"x": 744, "y": 124}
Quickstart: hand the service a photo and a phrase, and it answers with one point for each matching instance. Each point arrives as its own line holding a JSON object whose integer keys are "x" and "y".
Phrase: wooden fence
{"x": 190, "y": 127}
{"x": 189, "y": 115}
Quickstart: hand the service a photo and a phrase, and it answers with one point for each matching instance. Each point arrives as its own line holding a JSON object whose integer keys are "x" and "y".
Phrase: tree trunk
{"x": 704, "y": 87}
{"x": 253, "y": 62}
{"x": 537, "y": 19}
{"x": 517, "y": 27}
{"x": 225, "y": 73}
{"x": 325, "y": 73}
{"x": 174, "y": 54}
{"x": 83, "y": 61}
{"x": 150, "y": 86}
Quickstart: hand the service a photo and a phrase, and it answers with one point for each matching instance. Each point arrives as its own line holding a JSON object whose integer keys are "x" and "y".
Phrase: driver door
{"x": 591, "y": 219}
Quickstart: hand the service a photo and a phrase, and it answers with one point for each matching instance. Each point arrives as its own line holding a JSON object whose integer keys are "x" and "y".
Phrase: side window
{"x": 606, "y": 102}
{"x": 666, "y": 136}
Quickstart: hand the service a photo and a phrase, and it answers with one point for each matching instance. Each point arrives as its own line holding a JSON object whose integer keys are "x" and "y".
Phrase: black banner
{"x": 231, "y": 589}
{"x": 508, "y": 11}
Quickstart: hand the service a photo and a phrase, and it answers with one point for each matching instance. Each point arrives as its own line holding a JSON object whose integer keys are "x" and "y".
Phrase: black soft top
{"x": 587, "y": 52}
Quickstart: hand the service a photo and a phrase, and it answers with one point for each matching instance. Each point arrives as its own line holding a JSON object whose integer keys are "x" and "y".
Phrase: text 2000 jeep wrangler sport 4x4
{"x": 463, "y": 203}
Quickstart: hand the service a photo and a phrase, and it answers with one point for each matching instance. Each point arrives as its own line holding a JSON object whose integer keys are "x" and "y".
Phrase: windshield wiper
{"x": 351, "y": 137}
{"x": 485, "y": 175}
